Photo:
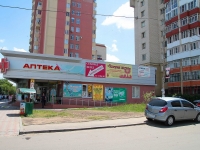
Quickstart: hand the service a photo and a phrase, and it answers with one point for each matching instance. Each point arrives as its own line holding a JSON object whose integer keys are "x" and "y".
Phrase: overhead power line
{"x": 105, "y": 15}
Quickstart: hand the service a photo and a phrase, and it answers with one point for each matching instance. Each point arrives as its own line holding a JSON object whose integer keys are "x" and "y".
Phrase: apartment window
{"x": 194, "y": 60}
{"x": 183, "y": 8}
{"x": 68, "y": 5}
{"x": 77, "y": 55}
{"x": 192, "y": 4}
{"x": 78, "y": 21}
{"x": 193, "y": 18}
{"x": 72, "y": 37}
{"x": 143, "y": 57}
{"x": 143, "y": 34}
{"x": 77, "y": 46}
{"x": 162, "y": 11}
{"x": 78, "y": 13}
{"x": 79, "y": 5}
{"x": 143, "y": 45}
{"x": 184, "y": 21}
{"x": 71, "y": 55}
{"x": 72, "y": 20}
{"x": 39, "y": 3}
{"x": 65, "y": 51}
{"x": 174, "y": 25}
{"x": 36, "y": 47}
{"x": 38, "y": 20}
{"x": 73, "y": 12}
{"x": 66, "y": 31}
{"x": 93, "y": 40}
{"x": 73, "y": 4}
{"x": 143, "y": 24}
{"x": 72, "y": 29}
{"x": 142, "y": 3}
{"x": 94, "y": 31}
{"x": 77, "y": 38}
{"x": 162, "y": 22}
{"x": 39, "y": 12}
{"x": 66, "y": 41}
{"x": 78, "y": 29}
{"x": 67, "y": 23}
{"x": 67, "y": 14}
{"x": 135, "y": 92}
{"x": 186, "y": 62}
{"x": 184, "y": 47}
{"x": 142, "y": 14}
{"x": 71, "y": 46}
{"x": 193, "y": 32}
{"x": 184, "y": 34}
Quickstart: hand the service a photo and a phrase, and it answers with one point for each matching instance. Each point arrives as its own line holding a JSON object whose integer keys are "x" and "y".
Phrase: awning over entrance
{"x": 26, "y": 90}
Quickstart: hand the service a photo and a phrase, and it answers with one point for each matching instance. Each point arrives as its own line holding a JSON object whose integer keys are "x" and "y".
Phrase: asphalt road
{"x": 153, "y": 136}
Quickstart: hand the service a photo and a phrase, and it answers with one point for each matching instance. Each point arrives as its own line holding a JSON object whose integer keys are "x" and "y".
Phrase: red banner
{"x": 96, "y": 70}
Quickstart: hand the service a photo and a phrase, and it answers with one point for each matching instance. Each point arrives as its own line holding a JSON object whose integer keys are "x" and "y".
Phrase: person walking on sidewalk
{"x": 43, "y": 100}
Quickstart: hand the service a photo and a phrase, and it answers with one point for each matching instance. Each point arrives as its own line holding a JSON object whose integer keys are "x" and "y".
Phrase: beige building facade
{"x": 149, "y": 36}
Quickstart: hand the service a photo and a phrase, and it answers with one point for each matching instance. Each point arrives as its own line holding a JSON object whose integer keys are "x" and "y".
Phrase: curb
{"x": 78, "y": 129}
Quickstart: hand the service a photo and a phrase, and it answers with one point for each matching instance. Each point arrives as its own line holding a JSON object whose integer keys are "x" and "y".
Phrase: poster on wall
{"x": 114, "y": 70}
{"x": 96, "y": 70}
{"x": 72, "y": 90}
{"x": 97, "y": 92}
{"x": 117, "y": 95}
{"x": 143, "y": 71}
{"x": 167, "y": 73}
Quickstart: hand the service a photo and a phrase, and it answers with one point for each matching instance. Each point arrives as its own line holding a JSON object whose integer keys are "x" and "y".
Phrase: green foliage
{"x": 147, "y": 96}
{"x": 189, "y": 97}
{"x": 6, "y": 87}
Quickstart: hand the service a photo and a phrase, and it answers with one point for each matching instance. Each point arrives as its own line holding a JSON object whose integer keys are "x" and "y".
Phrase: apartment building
{"x": 149, "y": 36}
{"x": 183, "y": 45}
{"x": 63, "y": 27}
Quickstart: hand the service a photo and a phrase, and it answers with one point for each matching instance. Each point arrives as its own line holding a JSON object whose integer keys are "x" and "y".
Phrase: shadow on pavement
{"x": 13, "y": 115}
{"x": 158, "y": 124}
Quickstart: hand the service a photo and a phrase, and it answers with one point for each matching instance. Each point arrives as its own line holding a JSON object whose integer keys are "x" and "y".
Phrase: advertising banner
{"x": 72, "y": 90}
{"x": 96, "y": 70}
{"x": 114, "y": 70}
{"x": 115, "y": 95}
{"x": 98, "y": 92}
{"x": 143, "y": 71}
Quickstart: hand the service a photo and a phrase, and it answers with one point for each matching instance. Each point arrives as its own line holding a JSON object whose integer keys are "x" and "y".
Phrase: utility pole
{"x": 164, "y": 45}
{"x": 180, "y": 47}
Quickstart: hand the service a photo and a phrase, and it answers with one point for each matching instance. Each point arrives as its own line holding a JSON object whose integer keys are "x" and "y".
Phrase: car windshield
{"x": 157, "y": 102}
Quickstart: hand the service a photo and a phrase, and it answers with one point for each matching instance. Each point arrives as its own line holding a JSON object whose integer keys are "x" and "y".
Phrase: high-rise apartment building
{"x": 168, "y": 32}
{"x": 149, "y": 36}
{"x": 183, "y": 45}
{"x": 63, "y": 27}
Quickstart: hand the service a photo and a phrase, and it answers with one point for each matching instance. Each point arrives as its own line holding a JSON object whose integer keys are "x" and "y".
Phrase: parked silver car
{"x": 170, "y": 109}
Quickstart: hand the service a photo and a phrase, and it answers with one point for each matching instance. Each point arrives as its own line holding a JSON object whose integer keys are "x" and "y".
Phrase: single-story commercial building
{"x": 75, "y": 82}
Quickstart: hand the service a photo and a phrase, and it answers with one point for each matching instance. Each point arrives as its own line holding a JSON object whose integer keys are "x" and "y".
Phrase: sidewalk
{"x": 64, "y": 127}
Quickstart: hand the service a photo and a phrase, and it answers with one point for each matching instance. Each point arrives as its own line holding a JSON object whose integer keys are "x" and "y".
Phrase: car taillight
{"x": 198, "y": 104}
{"x": 164, "y": 109}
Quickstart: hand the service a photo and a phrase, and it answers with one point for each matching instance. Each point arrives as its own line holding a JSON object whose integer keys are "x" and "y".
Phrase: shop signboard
{"x": 96, "y": 70}
{"x": 114, "y": 70}
{"x": 118, "y": 95}
{"x": 98, "y": 92}
{"x": 72, "y": 90}
{"x": 143, "y": 71}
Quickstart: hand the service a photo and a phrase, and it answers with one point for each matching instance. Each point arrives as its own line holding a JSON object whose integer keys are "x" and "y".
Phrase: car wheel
{"x": 197, "y": 118}
{"x": 149, "y": 119}
{"x": 169, "y": 121}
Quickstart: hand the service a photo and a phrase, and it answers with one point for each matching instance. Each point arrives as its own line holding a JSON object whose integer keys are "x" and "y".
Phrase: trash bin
{"x": 29, "y": 108}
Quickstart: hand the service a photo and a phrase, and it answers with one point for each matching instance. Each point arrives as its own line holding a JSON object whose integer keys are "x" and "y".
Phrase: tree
{"x": 6, "y": 87}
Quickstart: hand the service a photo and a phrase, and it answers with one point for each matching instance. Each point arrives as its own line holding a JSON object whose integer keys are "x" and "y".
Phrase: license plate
{"x": 150, "y": 115}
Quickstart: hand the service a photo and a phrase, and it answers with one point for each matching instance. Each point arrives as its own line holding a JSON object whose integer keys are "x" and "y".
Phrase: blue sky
{"x": 117, "y": 33}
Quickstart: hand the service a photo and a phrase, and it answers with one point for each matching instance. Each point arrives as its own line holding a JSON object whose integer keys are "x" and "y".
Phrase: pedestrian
{"x": 43, "y": 100}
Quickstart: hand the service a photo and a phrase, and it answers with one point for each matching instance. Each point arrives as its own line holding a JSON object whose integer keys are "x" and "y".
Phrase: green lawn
{"x": 66, "y": 112}
{"x": 124, "y": 108}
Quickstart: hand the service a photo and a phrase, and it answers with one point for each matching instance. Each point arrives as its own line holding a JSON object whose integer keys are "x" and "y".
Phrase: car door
{"x": 177, "y": 110}
{"x": 190, "y": 112}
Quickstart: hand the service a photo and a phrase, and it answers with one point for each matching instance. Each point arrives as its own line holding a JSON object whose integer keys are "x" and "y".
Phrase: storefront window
{"x": 87, "y": 90}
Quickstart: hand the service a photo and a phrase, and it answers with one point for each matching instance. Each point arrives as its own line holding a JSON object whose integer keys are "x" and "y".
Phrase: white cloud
{"x": 4, "y": 48}
{"x": 112, "y": 58}
{"x": 114, "y": 48}
{"x": 115, "y": 41}
{"x": 19, "y": 50}
{"x": 2, "y": 40}
{"x": 121, "y": 22}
